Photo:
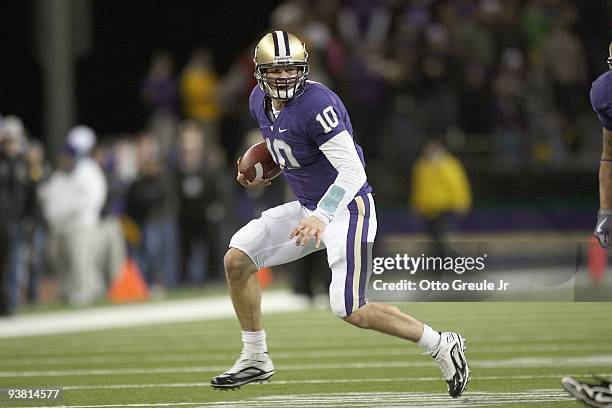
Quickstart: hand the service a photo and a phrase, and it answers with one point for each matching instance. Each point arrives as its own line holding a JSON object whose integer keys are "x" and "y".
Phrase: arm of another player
{"x": 240, "y": 178}
{"x": 603, "y": 230}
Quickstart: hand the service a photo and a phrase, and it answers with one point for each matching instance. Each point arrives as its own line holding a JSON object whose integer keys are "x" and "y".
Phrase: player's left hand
{"x": 310, "y": 227}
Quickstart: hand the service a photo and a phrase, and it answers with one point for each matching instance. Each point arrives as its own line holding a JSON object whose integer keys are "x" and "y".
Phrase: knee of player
{"x": 237, "y": 265}
{"x": 358, "y": 318}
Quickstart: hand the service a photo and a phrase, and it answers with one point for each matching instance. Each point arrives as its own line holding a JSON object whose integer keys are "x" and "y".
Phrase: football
{"x": 257, "y": 163}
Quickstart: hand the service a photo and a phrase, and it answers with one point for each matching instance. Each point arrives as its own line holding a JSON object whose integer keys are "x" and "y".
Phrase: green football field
{"x": 518, "y": 353}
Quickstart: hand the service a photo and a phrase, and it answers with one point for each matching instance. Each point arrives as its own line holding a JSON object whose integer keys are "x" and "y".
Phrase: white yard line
{"x": 319, "y": 381}
{"x": 309, "y": 354}
{"x": 138, "y": 315}
{"x": 338, "y": 340}
{"x": 372, "y": 399}
{"x": 336, "y": 354}
{"x": 585, "y": 361}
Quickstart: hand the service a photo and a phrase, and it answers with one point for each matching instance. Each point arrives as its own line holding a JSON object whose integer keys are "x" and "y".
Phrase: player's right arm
{"x": 241, "y": 178}
{"x": 605, "y": 172}
{"x": 601, "y": 99}
{"x": 603, "y": 229}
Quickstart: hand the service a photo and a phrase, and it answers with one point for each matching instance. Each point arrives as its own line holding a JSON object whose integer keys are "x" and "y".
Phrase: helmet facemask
{"x": 286, "y": 88}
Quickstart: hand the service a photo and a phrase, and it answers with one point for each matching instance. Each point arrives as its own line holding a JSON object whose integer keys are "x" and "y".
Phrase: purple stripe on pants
{"x": 364, "y": 251}
{"x": 350, "y": 257}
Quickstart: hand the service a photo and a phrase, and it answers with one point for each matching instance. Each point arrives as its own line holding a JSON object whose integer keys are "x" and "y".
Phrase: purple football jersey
{"x": 601, "y": 99}
{"x": 305, "y": 123}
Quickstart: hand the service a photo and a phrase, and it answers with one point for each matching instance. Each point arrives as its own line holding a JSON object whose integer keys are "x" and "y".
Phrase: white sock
{"x": 430, "y": 339}
{"x": 255, "y": 342}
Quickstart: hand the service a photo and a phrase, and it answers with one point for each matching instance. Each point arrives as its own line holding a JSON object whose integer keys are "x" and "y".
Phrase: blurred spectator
{"x": 159, "y": 90}
{"x": 535, "y": 23}
{"x": 236, "y": 86}
{"x": 509, "y": 116}
{"x": 14, "y": 190}
{"x": 365, "y": 26}
{"x": 506, "y": 30}
{"x": 440, "y": 188}
{"x": 368, "y": 101}
{"x": 471, "y": 40}
{"x": 111, "y": 250}
{"x": 437, "y": 94}
{"x": 291, "y": 16}
{"x": 299, "y": 17}
{"x": 151, "y": 204}
{"x": 365, "y": 23}
{"x": 126, "y": 159}
{"x": 324, "y": 38}
{"x": 475, "y": 101}
{"x": 39, "y": 171}
{"x": 200, "y": 92}
{"x": 566, "y": 62}
{"x": 72, "y": 199}
{"x": 543, "y": 120}
{"x": 198, "y": 207}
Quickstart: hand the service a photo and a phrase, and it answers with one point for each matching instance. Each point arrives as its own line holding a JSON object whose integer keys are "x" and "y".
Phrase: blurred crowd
{"x": 68, "y": 230}
{"x": 509, "y": 76}
{"x": 505, "y": 79}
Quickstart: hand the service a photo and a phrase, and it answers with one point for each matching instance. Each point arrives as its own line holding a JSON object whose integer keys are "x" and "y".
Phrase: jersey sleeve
{"x": 325, "y": 117}
{"x": 601, "y": 99}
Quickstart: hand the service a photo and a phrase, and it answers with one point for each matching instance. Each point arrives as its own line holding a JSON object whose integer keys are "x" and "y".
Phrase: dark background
{"x": 124, "y": 34}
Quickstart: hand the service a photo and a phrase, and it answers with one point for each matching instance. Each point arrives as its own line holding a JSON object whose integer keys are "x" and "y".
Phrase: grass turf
{"x": 518, "y": 353}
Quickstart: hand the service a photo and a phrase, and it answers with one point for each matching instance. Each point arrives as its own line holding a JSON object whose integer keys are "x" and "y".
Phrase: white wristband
{"x": 324, "y": 217}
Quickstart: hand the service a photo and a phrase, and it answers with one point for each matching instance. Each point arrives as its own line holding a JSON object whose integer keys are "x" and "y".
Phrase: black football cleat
{"x": 598, "y": 395}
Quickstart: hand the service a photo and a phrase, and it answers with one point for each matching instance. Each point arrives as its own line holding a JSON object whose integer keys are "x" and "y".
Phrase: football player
{"x": 601, "y": 99}
{"x": 600, "y": 394}
{"x": 309, "y": 134}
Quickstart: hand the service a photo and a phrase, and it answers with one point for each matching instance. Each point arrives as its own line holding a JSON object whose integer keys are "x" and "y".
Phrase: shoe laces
{"x": 242, "y": 362}
{"x": 246, "y": 359}
{"x": 440, "y": 355}
{"x": 447, "y": 369}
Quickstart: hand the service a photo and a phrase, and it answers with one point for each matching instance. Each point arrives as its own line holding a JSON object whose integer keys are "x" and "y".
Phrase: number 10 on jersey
{"x": 329, "y": 119}
{"x": 276, "y": 147}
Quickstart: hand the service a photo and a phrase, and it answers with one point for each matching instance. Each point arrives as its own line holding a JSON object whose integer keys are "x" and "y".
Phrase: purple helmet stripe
{"x": 287, "y": 50}
{"x": 276, "y": 49}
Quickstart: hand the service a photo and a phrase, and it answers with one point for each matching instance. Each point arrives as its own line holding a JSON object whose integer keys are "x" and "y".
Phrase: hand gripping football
{"x": 257, "y": 163}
